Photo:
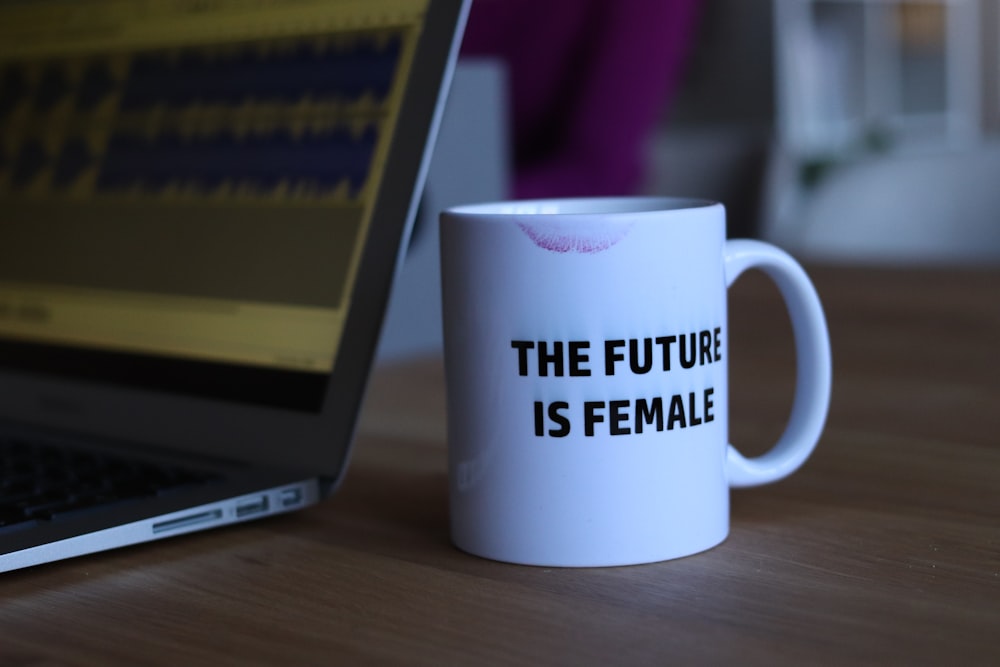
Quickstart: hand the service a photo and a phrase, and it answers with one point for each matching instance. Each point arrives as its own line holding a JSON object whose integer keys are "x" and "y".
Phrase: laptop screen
{"x": 186, "y": 187}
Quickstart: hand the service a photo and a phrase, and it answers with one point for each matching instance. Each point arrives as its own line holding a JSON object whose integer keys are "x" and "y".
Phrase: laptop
{"x": 202, "y": 208}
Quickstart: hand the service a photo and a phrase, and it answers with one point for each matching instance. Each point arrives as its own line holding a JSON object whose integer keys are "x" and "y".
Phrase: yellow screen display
{"x": 193, "y": 178}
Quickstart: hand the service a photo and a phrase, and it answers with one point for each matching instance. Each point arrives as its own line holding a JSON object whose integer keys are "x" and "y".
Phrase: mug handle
{"x": 813, "y": 365}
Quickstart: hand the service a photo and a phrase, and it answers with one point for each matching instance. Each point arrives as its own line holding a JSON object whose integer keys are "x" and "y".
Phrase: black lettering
{"x": 676, "y": 417}
{"x": 647, "y": 412}
{"x": 618, "y": 417}
{"x": 717, "y": 337}
{"x": 610, "y": 356}
{"x": 705, "y": 347}
{"x": 665, "y": 343}
{"x": 647, "y": 356}
{"x": 577, "y": 358}
{"x": 590, "y": 416}
{"x": 693, "y": 418}
{"x": 522, "y": 347}
{"x": 559, "y": 419}
{"x": 709, "y": 404}
{"x": 554, "y": 359}
{"x": 555, "y": 416}
{"x": 689, "y": 353}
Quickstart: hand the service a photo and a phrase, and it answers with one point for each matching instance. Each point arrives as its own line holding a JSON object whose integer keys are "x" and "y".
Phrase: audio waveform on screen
{"x": 290, "y": 118}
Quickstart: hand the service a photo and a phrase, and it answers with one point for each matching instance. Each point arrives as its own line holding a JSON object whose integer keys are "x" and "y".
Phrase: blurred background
{"x": 845, "y": 131}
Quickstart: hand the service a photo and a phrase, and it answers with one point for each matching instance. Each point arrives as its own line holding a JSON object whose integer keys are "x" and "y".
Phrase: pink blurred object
{"x": 589, "y": 80}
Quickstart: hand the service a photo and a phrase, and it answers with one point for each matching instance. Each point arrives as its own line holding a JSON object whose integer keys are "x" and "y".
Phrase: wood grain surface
{"x": 884, "y": 549}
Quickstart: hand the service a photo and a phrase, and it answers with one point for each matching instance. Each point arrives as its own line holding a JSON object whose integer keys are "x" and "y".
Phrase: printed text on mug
{"x": 639, "y": 356}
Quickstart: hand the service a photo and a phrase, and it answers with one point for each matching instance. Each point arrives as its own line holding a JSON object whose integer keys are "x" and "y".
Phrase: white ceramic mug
{"x": 585, "y": 355}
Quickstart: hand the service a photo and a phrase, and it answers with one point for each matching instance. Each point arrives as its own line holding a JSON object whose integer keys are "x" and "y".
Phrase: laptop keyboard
{"x": 45, "y": 482}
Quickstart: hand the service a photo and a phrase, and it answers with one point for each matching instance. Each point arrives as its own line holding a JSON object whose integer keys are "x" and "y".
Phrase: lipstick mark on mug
{"x": 579, "y": 237}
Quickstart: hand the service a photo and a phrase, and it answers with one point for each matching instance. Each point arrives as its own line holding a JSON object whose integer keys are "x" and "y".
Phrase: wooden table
{"x": 883, "y": 549}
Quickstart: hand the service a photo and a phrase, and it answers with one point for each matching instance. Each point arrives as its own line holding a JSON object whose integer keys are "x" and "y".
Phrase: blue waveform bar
{"x": 260, "y": 162}
{"x": 72, "y": 160}
{"x": 30, "y": 161}
{"x": 53, "y": 86}
{"x": 13, "y": 87}
{"x": 96, "y": 84}
{"x": 283, "y": 75}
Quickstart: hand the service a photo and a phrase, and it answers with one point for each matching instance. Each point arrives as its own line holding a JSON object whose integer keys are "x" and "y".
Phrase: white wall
{"x": 470, "y": 163}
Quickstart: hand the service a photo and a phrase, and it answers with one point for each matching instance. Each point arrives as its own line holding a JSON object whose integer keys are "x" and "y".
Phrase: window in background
{"x": 862, "y": 75}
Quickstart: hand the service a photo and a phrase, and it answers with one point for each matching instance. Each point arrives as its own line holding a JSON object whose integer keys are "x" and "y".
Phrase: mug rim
{"x": 582, "y": 206}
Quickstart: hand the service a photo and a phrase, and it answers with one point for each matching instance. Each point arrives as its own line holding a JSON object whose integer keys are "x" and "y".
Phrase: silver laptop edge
{"x": 269, "y": 502}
